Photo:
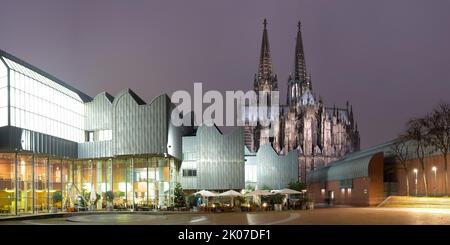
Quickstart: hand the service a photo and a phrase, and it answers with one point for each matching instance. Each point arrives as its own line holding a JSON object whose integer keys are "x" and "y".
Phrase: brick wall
{"x": 436, "y": 186}
{"x": 365, "y": 191}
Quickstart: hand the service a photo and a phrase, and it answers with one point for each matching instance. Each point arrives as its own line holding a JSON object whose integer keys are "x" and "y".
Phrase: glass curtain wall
{"x": 25, "y": 183}
{"x": 7, "y": 184}
{"x": 67, "y": 180}
{"x": 55, "y": 183}
{"x": 43, "y": 105}
{"x": 43, "y": 183}
{"x": 122, "y": 183}
{"x": 162, "y": 179}
{"x": 140, "y": 186}
{"x": 3, "y": 94}
{"x": 101, "y": 177}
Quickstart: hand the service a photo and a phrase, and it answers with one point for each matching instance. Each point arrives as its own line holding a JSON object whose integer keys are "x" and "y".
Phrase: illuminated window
{"x": 90, "y": 137}
{"x": 3, "y": 95}
{"x": 43, "y": 105}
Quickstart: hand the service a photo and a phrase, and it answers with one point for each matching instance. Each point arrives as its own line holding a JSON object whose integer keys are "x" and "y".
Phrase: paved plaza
{"x": 323, "y": 216}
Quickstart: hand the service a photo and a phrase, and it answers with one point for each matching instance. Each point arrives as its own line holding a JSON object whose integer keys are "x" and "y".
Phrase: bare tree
{"x": 439, "y": 124}
{"x": 418, "y": 132}
{"x": 401, "y": 152}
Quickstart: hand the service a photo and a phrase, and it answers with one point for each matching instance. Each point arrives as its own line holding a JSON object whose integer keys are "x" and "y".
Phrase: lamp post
{"x": 435, "y": 179}
{"x": 415, "y": 181}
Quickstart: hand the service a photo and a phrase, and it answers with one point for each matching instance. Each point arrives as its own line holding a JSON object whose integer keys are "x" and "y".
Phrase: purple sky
{"x": 390, "y": 59}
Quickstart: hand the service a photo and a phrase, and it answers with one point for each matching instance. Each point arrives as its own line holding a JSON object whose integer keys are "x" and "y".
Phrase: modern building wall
{"x": 357, "y": 180}
{"x": 268, "y": 168}
{"x": 28, "y": 182}
{"x": 135, "y": 128}
{"x": 41, "y": 103}
{"x": 435, "y": 179}
{"x": 218, "y": 159}
{"x": 13, "y": 139}
{"x": 3, "y": 94}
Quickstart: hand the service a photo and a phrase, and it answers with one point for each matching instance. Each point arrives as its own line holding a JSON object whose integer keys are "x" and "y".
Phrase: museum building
{"x": 56, "y": 140}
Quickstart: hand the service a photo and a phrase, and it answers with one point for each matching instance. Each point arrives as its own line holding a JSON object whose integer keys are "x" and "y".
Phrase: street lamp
{"x": 435, "y": 182}
{"x": 415, "y": 172}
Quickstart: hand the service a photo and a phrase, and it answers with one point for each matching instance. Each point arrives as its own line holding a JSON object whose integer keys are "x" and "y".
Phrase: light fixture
{"x": 415, "y": 170}
{"x": 434, "y": 168}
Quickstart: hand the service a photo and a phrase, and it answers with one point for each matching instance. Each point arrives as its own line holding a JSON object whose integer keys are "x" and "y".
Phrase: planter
{"x": 310, "y": 205}
{"x": 278, "y": 207}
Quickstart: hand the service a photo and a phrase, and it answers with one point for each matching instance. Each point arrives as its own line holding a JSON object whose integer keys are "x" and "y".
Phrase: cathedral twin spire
{"x": 300, "y": 73}
{"x": 265, "y": 62}
{"x": 265, "y": 72}
{"x": 265, "y": 79}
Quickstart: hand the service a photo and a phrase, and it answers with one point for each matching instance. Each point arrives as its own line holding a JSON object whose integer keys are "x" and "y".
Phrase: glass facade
{"x": 39, "y": 173}
{"x": 36, "y": 181}
{"x": 42, "y": 105}
{"x": 7, "y": 183}
{"x": 3, "y": 95}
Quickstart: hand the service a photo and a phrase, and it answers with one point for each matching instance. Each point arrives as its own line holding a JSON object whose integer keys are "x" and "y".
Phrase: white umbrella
{"x": 230, "y": 193}
{"x": 287, "y": 191}
{"x": 206, "y": 193}
{"x": 260, "y": 193}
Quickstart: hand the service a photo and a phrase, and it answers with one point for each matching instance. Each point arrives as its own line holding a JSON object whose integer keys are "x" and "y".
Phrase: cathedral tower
{"x": 265, "y": 83}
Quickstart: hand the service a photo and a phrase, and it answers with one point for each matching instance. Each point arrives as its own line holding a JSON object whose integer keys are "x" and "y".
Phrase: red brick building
{"x": 367, "y": 177}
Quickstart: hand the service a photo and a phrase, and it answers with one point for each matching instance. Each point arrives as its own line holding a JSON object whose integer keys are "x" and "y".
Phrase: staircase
{"x": 415, "y": 202}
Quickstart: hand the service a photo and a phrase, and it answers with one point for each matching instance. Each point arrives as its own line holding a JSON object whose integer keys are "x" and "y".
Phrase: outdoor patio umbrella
{"x": 205, "y": 193}
{"x": 260, "y": 193}
{"x": 287, "y": 191}
{"x": 230, "y": 193}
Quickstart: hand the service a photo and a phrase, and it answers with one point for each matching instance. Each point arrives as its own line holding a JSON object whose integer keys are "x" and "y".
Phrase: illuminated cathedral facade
{"x": 321, "y": 134}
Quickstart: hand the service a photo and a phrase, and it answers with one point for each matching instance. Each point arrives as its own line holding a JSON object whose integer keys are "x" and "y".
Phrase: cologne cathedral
{"x": 321, "y": 134}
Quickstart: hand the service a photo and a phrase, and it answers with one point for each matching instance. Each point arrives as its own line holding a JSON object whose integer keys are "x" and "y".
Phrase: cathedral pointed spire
{"x": 300, "y": 73}
{"x": 265, "y": 61}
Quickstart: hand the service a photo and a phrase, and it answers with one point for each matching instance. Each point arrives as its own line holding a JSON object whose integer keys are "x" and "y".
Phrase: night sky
{"x": 390, "y": 59}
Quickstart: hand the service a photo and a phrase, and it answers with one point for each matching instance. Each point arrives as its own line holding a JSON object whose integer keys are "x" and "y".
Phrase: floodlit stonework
{"x": 321, "y": 134}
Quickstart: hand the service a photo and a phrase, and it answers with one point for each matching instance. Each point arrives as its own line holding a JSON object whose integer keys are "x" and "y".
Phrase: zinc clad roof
{"x": 355, "y": 165}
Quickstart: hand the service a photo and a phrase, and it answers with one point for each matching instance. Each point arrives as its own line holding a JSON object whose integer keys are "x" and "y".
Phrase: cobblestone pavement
{"x": 323, "y": 216}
